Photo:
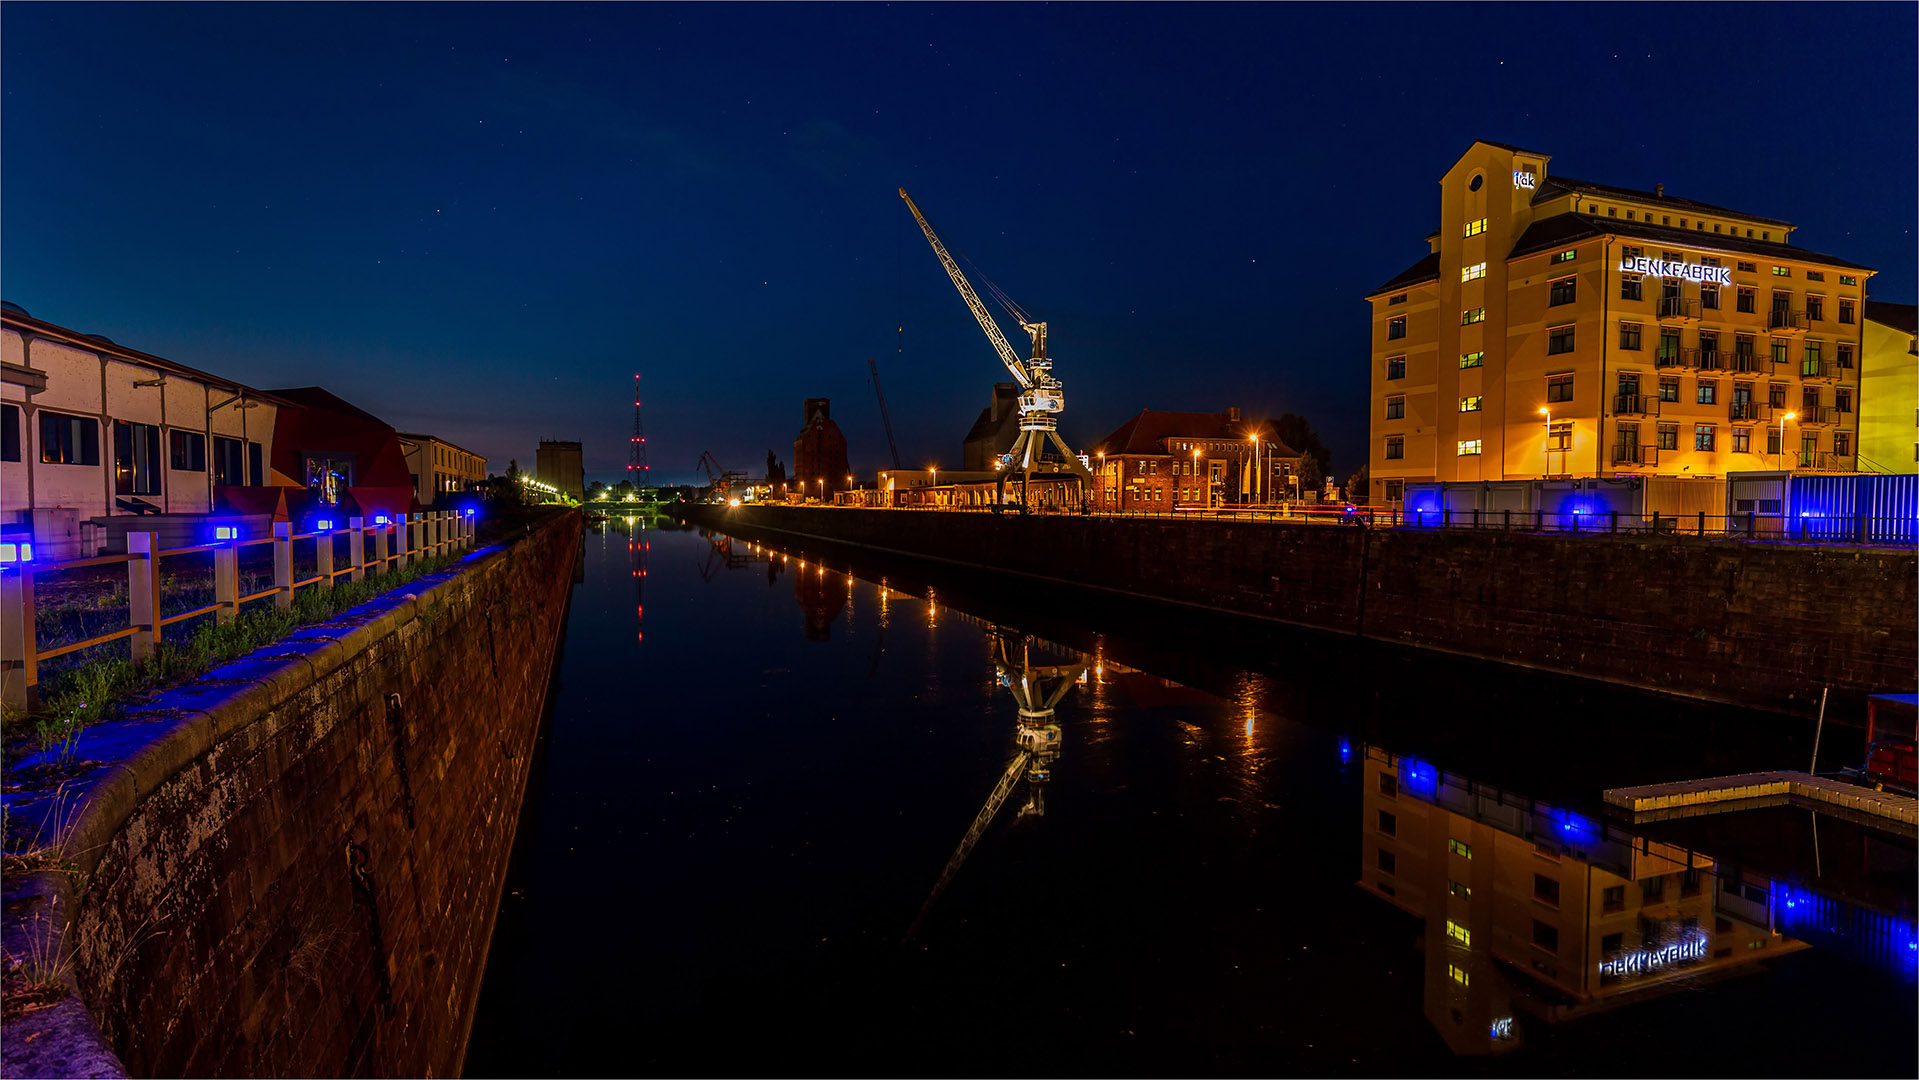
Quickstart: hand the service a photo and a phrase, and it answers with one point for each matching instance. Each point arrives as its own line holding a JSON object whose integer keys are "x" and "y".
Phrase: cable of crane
{"x": 1005, "y": 302}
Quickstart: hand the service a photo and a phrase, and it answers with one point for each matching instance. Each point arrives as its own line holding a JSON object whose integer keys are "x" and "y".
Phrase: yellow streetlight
{"x": 1254, "y": 439}
{"x": 1782, "y": 437}
{"x": 1548, "y": 444}
{"x": 1196, "y": 479}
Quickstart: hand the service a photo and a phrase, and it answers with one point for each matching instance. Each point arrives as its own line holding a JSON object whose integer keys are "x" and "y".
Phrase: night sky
{"x": 480, "y": 222}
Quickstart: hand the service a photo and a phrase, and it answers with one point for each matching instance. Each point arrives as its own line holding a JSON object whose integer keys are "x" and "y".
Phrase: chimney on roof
{"x": 1232, "y": 414}
{"x": 1659, "y": 190}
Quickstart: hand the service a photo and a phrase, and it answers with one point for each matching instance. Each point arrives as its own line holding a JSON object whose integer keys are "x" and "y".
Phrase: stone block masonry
{"x": 293, "y": 865}
{"x": 1758, "y": 624}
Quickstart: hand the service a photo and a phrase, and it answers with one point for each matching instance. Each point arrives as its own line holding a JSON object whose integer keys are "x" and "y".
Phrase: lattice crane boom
{"x": 1006, "y": 354}
{"x": 886, "y": 420}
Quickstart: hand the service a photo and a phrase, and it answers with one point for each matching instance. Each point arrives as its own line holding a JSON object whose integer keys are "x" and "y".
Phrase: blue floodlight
{"x": 16, "y": 553}
{"x": 324, "y": 524}
{"x": 226, "y": 532}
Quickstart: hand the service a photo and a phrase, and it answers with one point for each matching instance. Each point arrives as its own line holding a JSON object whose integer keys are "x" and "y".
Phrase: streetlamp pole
{"x": 1547, "y": 453}
{"x": 1783, "y": 417}
{"x": 1257, "y": 499}
{"x": 1102, "y": 481}
{"x": 1197, "y": 476}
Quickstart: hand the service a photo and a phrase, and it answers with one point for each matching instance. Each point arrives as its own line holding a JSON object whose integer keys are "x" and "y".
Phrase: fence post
{"x": 143, "y": 591}
{"x": 1539, "y": 519}
{"x": 226, "y": 583}
{"x": 323, "y": 557}
{"x": 19, "y": 653}
{"x": 1446, "y": 518}
{"x": 1751, "y": 520}
{"x": 1655, "y": 522}
{"x": 1702, "y": 523}
{"x": 356, "y": 547}
{"x": 1575, "y": 522}
{"x": 380, "y": 534}
{"x": 1615, "y": 520}
{"x": 283, "y": 564}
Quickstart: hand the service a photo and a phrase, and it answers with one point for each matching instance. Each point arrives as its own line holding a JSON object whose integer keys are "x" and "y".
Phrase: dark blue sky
{"x": 481, "y": 221}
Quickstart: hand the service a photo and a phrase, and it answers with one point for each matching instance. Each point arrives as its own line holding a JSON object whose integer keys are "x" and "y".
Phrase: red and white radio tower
{"x": 636, "y": 457}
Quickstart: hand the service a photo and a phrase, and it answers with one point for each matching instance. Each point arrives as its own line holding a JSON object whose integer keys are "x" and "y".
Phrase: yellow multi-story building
{"x": 1559, "y": 328}
{"x": 1889, "y": 390}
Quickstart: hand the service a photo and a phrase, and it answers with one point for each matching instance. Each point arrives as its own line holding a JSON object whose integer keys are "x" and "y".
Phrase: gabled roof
{"x": 1426, "y": 269}
{"x": 416, "y": 437}
{"x": 1562, "y": 229}
{"x": 1554, "y": 186}
{"x": 15, "y": 317}
{"x": 1146, "y": 433}
{"x": 1897, "y": 316}
{"x": 1514, "y": 149}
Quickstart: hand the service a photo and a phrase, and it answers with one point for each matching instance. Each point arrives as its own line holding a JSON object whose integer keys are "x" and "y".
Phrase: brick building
{"x": 1160, "y": 461}
{"x": 819, "y": 453}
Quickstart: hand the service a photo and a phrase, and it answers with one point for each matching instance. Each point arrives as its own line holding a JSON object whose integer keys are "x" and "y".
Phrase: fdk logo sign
{"x": 1648, "y": 961}
{"x": 1690, "y": 271}
{"x": 1523, "y": 178}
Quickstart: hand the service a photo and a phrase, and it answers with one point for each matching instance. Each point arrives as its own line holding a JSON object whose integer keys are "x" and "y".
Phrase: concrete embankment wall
{"x": 293, "y": 866}
{"x": 1757, "y": 624}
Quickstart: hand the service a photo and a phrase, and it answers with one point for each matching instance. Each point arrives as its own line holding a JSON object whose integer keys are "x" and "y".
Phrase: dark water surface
{"x": 739, "y": 816}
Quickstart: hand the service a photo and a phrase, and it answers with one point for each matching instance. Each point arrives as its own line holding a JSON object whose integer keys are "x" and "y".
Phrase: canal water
{"x": 805, "y": 812}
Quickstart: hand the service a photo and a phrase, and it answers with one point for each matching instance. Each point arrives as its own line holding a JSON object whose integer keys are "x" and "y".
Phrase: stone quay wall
{"x": 1761, "y": 624}
{"x": 293, "y": 865}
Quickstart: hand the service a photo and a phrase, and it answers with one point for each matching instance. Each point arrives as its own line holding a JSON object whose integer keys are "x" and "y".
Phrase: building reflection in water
{"x": 1535, "y": 914}
{"x": 822, "y": 597}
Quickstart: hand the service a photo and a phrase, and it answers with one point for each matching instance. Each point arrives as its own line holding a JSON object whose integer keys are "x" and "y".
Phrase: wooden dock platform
{"x": 1795, "y": 785}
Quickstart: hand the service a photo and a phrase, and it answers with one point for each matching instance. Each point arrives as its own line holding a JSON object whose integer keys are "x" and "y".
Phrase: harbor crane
{"x": 884, "y": 419}
{"x": 1042, "y": 397}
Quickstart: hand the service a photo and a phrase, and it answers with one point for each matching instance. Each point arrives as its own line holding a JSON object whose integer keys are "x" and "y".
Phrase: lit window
{"x": 1458, "y": 974}
{"x": 1460, "y": 889}
{"x": 1848, "y": 279}
{"x": 1477, "y": 314}
{"x": 1469, "y": 273}
{"x": 1708, "y": 392}
{"x": 1469, "y": 448}
{"x": 1565, "y": 256}
{"x": 1781, "y": 271}
{"x": 1474, "y": 228}
{"x": 1470, "y": 404}
{"x": 1464, "y": 851}
{"x": 1472, "y": 359}
{"x": 1702, "y": 437}
{"x": 1459, "y": 933}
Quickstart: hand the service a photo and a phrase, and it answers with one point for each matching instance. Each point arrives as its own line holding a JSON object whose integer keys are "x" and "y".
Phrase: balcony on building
{"x": 1633, "y": 405}
{"x": 1745, "y": 412}
{"x": 1629, "y": 454}
{"x": 1678, "y": 309}
{"x": 1823, "y": 416}
{"x": 1786, "y": 321}
{"x": 1746, "y": 361}
{"x": 1825, "y": 461}
{"x": 1676, "y": 358}
{"x": 1710, "y": 360}
{"x": 1818, "y": 371}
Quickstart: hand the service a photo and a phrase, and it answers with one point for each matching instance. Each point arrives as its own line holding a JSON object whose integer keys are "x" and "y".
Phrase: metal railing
{"x": 1676, "y": 358}
{"x": 1825, "y": 461}
{"x": 1752, "y": 526}
{"x": 1820, "y": 415}
{"x": 1817, "y": 369}
{"x": 1785, "y": 320}
{"x": 371, "y": 550}
{"x": 1745, "y": 361}
{"x": 1633, "y": 405}
{"x": 1628, "y": 454}
{"x": 1711, "y": 360}
{"x": 1744, "y": 410}
{"x": 1678, "y": 308}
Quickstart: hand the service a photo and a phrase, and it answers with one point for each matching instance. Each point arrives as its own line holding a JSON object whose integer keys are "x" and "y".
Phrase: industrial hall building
{"x": 1561, "y": 328}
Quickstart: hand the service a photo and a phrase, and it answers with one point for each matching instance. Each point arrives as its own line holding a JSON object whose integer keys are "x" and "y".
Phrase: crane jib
{"x": 985, "y": 318}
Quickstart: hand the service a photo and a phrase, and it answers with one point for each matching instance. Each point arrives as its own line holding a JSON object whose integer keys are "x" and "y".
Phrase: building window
{"x": 1470, "y": 404}
{"x": 1842, "y": 399}
{"x": 1747, "y": 299}
{"x": 1631, "y": 252}
{"x": 1473, "y": 315}
{"x": 1630, "y": 287}
{"x": 1395, "y": 328}
{"x": 1458, "y": 974}
{"x": 188, "y": 450}
{"x": 1709, "y": 297}
{"x": 1741, "y": 440}
{"x": 1400, "y": 299}
{"x": 229, "y": 462}
{"x": 1779, "y": 271}
{"x": 9, "y": 433}
{"x": 1702, "y": 437}
{"x": 1844, "y": 356}
{"x": 1776, "y": 395}
{"x": 69, "y": 440}
{"x": 1559, "y": 340}
{"x": 1546, "y": 889}
{"x": 1815, "y": 275}
{"x": 1473, "y": 272}
{"x": 1395, "y": 490}
{"x": 136, "y": 466}
{"x": 1781, "y": 351}
{"x": 1612, "y": 211}
{"x": 1472, "y": 359}
{"x": 1816, "y": 308}
{"x": 1559, "y": 388}
{"x": 1464, "y": 851}
{"x": 1459, "y": 933}
{"x": 1563, "y": 291}
{"x": 1396, "y": 407}
{"x": 1708, "y": 392}
{"x": 1469, "y": 447}
{"x": 1474, "y": 228}
{"x": 1388, "y": 823}
{"x": 1546, "y": 936}
{"x": 1629, "y": 335}
{"x": 1387, "y": 862}
{"x": 1669, "y": 388}
{"x": 1813, "y": 363}
{"x": 1669, "y": 436}
{"x": 1614, "y": 898}
{"x": 1389, "y": 785}
{"x": 1459, "y": 889}
{"x": 1842, "y": 443}
{"x": 1845, "y": 310}
{"x": 1559, "y": 435}
{"x": 1395, "y": 367}
{"x": 1395, "y": 447}
{"x": 1629, "y": 216}
{"x": 1565, "y": 256}
{"x": 1809, "y": 402}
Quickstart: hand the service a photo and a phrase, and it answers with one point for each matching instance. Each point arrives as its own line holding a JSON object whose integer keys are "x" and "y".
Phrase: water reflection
{"x": 1534, "y": 914}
